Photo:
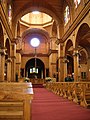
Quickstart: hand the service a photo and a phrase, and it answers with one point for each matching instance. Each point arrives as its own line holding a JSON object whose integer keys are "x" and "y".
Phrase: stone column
{"x": 88, "y": 69}
{"x": 61, "y": 64}
{"x": 8, "y": 61}
{"x": 53, "y": 44}
{"x": 76, "y": 65}
{"x": 52, "y": 57}
{"x": 18, "y": 55}
{"x": 13, "y": 57}
{"x": 2, "y": 64}
{"x": 18, "y": 64}
{"x": 65, "y": 69}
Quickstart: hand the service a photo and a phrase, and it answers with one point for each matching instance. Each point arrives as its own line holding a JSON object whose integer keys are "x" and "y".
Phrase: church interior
{"x": 45, "y": 44}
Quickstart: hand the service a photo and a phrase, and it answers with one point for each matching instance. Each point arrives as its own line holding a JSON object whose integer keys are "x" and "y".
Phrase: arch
{"x": 69, "y": 47}
{"x": 69, "y": 57}
{"x": 83, "y": 57}
{"x": 36, "y": 31}
{"x": 70, "y": 65}
{"x": 7, "y": 45}
{"x": 39, "y": 65}
{"x": 83, "y": 30}
{"x": 1, "y": 37}
{"x": 40, "y": 6}
{"x": 54, "y": 29}
{"x": 29, "y": 7}
{"x": 39, "y": 33}
{"x": 83, "y": 36}
{"x": 18, "y": 29}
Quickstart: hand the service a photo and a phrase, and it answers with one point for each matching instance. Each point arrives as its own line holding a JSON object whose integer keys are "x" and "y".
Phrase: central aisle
{"x": 48, "y": 106}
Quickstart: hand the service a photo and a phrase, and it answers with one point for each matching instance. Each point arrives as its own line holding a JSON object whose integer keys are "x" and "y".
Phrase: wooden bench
{"x": 78, "y": 92}
{"x": 85, "y": 95}
{"x": 15, "y": 101}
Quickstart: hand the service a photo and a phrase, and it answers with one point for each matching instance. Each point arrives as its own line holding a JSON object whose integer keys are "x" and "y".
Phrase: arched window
{"x": 77, "y": 2}
{"x": 66, "y": 15}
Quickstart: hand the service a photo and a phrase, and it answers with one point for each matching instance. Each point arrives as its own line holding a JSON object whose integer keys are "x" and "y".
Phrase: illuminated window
{"x": 33, "y": 70}
{"x": 35, "y": 12}
{"x": 77, "y": 2}
{"x": 35, "y": 42}
{"x": 66, "y": 15}
{"x": 9, "y": 13}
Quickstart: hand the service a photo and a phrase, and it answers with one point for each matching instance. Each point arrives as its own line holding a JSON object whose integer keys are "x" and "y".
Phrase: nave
{"x": 48, "y": 106}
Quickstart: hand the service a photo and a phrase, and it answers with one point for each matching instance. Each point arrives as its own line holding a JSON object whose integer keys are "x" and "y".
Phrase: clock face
{"x": 35, "y": 42}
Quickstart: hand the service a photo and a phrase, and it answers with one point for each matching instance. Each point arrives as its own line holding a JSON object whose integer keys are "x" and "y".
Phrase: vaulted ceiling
{"x": 53, "y": 8}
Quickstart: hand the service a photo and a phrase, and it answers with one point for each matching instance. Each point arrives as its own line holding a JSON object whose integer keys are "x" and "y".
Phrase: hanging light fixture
{"x": 35, "y": 43}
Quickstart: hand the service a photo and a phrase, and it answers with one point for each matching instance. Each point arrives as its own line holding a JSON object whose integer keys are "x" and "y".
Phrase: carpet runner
{"x": 48, "y": 106}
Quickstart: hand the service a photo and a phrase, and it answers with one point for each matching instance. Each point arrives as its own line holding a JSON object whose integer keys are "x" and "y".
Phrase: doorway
{"x": 35, "y": 71}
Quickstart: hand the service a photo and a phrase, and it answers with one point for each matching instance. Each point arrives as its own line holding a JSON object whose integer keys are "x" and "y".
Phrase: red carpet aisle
{"x": 48, "y": 106}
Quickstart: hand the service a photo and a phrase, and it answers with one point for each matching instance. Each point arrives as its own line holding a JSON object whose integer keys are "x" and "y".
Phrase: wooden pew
{"x": 85, "y": 95}
{"x": 15, "y": 101}
{"x": 78, "y": 92}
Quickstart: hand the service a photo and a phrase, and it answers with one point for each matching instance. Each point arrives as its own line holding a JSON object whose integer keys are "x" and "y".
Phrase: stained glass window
{"x": 66, "y": 15}
{"x": 9, "y": 13}
{"x": 77, "y": 2}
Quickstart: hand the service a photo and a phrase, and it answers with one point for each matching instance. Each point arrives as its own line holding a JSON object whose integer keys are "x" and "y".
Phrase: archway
{"x": 69, "y": 57}
{"x": 29, "y": 7}
{"x": 54, "y": 29}
{"x": 7, "y": 46}
{"x": 83, "y": 36}
{"x": 1, "y": 37}
{"x": 1, "y": 54}
{"x": 83, "y": 47}
{"x": 32, "y": 72}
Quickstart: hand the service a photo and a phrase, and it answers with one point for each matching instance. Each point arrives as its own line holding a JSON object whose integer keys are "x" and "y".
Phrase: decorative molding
{"x": 13, "y": 57}
{"x": 57, "y": 41}
{"x": 19, "y": 51}
{"x": 53, "y": 63}
{"x": 76, "y": 53}
{"x": 65, "y": 60}
{"x": 2, "y": 51}
{"x": 8, "y": 60}
{"x": 33, "y": 55}
{"x": 52, "y": 51}
{"x": 59, "y": 58}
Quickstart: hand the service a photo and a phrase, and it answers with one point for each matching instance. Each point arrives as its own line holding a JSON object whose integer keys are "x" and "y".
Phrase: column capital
{"x": 2, "y": 51}
{"x": 53, "y": 37}
{"x": 58, "y": 41}
{"x": 65, "y": 60}
{"x": 18, "y": 39}
{"x": 75, "y": 52}
{"x": 8, "y": 60}
{"x": 14, "y": 40}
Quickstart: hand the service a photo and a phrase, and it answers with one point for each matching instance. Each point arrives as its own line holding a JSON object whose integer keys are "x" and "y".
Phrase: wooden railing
{"x": 37, "y": 81}
{"x": 15, "y": 101}
{"x": 78, "y": 92}
{"x": 32, "y": 80}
